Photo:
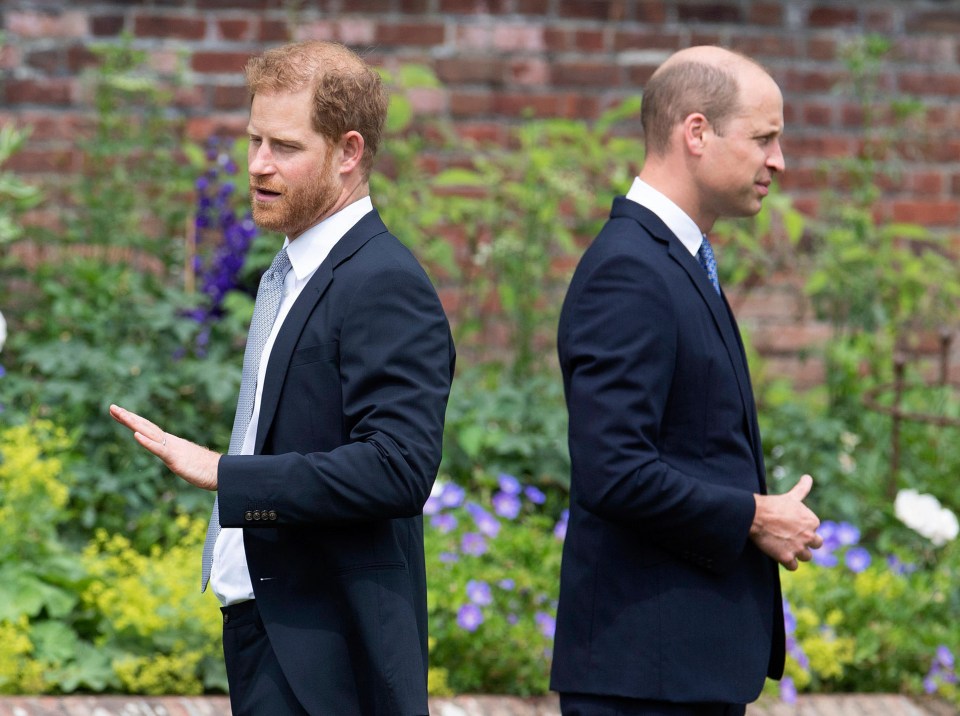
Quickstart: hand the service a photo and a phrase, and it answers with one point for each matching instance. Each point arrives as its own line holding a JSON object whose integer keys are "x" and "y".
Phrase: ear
{"x": 351, "y": 151}
{"x": 695, "y": 129}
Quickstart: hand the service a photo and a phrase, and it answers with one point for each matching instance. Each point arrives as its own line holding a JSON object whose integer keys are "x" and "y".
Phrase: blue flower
{"x": 847, "y": 534}
{"x": 449, "y": 557}
{"x": 560, "y": 530}
{"x": 485, "y": 522}
{"x": 3, "y": 371}
{"x": 788, "y": 690}
{"x": 506, "y": 505}
{"x": 509, "y": 484}
{"x": 507, "y": 584}
{"x": 444, "y": 522}
{"x": 452, "y": 495}
{"x": 825, "y": 557}
{"x": 547, "y": 624}
{"x": 857, "y": 559}
{"x": 944, "y": 657}
{"x": 473, "y": 543}
{"x": 479, "y": 593}
{"x": 535, "y": 495}
{"x": 469, "y": 617}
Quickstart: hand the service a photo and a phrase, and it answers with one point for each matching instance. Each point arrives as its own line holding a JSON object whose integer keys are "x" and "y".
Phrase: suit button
{"x": 272, "y": 515}
{"x": 256, "y": 515}
{"x": 248, "y": 515}
{"x": 226, "y": 618}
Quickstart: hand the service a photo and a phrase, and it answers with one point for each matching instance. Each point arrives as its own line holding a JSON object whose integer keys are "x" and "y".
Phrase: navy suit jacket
{"x": 347, "y": 449}
{"x": 663, "y": 596}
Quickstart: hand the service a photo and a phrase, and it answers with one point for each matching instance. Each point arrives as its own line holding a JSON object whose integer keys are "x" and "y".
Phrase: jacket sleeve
{"x": 395, "y": 369}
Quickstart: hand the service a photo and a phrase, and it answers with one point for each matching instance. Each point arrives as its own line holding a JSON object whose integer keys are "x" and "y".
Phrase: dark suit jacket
{"x": 347, "y": 450}
{"x": 662, "y": 596}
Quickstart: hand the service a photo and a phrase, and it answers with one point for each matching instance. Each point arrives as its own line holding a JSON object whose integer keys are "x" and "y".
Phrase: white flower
{"x": 924, "y": 515}
{"x": 3, "y": 330}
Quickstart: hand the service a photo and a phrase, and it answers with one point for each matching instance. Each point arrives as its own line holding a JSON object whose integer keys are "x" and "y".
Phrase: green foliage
{"x": 492, "y": 587}
{"x": 498, "y": 424}
{"x": 16, "y": 196}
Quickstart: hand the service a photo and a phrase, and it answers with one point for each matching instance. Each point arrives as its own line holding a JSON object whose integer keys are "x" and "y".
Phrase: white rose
{"x": 926, "y": 516}
{"x": 3, "y": 330}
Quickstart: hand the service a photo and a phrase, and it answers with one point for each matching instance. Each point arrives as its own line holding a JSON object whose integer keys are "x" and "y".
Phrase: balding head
{"x": 704, "y": 79}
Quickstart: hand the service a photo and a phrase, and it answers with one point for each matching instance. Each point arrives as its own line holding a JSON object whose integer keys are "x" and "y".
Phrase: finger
{"x": 136, "y": 423}
{"x": 816, "y": 542}
{"x": 802, "y": 488}
{"x": 791, "y": 565}
{"x": 805, "y": 555}
{"x": 157, "y": 447}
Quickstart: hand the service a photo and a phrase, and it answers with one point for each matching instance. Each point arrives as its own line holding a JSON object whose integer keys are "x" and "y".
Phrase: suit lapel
{"x": 370, "y": 225}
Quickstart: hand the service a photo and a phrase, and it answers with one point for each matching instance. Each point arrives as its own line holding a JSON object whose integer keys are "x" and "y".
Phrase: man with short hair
{"x": 670, "y": 599}
{"x": 337, "y": 437}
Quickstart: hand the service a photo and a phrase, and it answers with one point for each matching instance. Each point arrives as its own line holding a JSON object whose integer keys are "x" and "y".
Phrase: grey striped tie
{"x": 264, "y": 314}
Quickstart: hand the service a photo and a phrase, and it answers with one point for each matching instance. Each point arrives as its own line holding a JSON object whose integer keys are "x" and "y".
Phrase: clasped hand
{"x": 194, "y": 463}
{"x": 784, "y": 528}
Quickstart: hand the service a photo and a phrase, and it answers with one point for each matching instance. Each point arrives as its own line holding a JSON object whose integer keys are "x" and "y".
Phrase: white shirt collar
{"x": 309, "y": 249}
{"x": 678, "y": 221}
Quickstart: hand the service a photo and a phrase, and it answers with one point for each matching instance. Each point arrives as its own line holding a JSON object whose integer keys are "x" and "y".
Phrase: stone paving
{"x": 817, "y": 705}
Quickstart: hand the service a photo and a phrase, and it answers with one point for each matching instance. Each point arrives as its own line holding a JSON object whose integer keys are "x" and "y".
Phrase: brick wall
{"x": 500, "y": 58}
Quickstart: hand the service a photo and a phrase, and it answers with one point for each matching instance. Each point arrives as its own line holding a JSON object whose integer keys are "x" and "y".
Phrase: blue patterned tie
{"x": 709, "y": 263}
{"x": 264, "y": 314}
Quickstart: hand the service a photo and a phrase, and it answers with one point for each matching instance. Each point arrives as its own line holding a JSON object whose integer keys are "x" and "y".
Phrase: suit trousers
{"x": 596, "y": 705}
{"x": 257, "y": 684}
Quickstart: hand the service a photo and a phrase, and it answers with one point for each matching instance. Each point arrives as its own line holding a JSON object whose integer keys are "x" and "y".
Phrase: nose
{"x": 775, "y": 160}
{"x": 259, "y": 159}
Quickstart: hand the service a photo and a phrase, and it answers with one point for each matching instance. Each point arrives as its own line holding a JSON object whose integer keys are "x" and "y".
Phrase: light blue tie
{"x": 709, "y": 263}
{"x": 264, "y": 314}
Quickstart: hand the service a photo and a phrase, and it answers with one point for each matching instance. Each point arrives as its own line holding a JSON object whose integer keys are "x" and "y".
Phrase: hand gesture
{"x": 784, "y": 528}
{"x": 195, "y": 464}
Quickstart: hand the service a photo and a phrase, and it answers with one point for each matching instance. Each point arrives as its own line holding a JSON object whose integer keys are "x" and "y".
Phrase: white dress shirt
{"x": 678, "y": 221}
{"x": 230, "y": 577}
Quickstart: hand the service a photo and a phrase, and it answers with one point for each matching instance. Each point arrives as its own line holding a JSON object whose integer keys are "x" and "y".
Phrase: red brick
{"x": 782, "y": 338}
{"x": 235, "y": 29}
{"x": 639, "y": 75}
{"x": 651, "y": 12}
{"x": 558, "y": 40}
{"x": 831, "y": 16}
{"x": 273, "y": 31}
{"x": 29, "y": 161}
{"x": 818, "y": 115}
{"x": 879, "y": 20}
{"x": 50, "y": 91}
{"x": 586, "y": 74}
{"x": 483, "y": 132}
{"x": 645, "y": 40}
{"x": 81, "y": 57}
{"x": 371, "y": 6}
{"x": 766, "y": 13}
{"x": 47, "y": 61}
{"x": 611, "y": 10}
{"x": 470, "y": 104}
{"x": 929, "y": 83}
{"x": 821, "y": 48}
{"x": 927, "y": 212}
{"x": 927, "y": 182}
{"x": 319, "y": 5}
{"x": 106, "y": 25}
{"x": 470, "y": 7}
{"x": 10, "y": 57}
{"x": 534, "y": 72}
{"x": 180, "y": 27}
{"x": 415, "y": 7}
{"x": 219, "y": 62}
{"x": 812, "y": 80}
{"x": 797, "y": 178}
{"x": 802, "y": 372}
{"x": 46, "y": 25}
{"x": 822, "y": 146}
{"x": 934, "y": 21}
{"x": 532, "y": 7}
{"x": 466, "y": 70}
{"x": 852, "y": 115}
{"x": 407, "y": 34}
{"x": 702, "y": 37}
{"x": 200, "y": 129}
{"x": 758, "y": 46}
{"x": 568, "y": 106}
{"x": 709, "y": 12}
{"x": 591, "y": 40}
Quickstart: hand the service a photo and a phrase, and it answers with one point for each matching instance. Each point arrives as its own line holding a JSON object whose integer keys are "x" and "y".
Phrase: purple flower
{"x": 509, "y": 484}
{"x": 825, "y": 557}
{"x": 547, "y": 624}
{"x": 898, "y": 567}
{"x": 3, "y": 371}
{"x": 506, "y": 505}
{"x": 847, "y": 534}
{"x": 485, "y": 522}
{"x": 857, "y": 559}
{"x": 535, "y": 495}
{"x": 512, "y": 619}
{"x": 944, "y": 657}
{"x": 479, "y": 593}
{"x": 444, "y": 522}
{"x": 789, "y": 621}
{"x": 473, "y": 543}
{"x": 452, "y": 495}
{"x": 507, "y": 584}
{"x": 560, "y": 530}
{"x": 469, "y": 617}
{"x": 828, "y": 531}
{"x": 788, "y": 690}
{"x": 449, "y": 557}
